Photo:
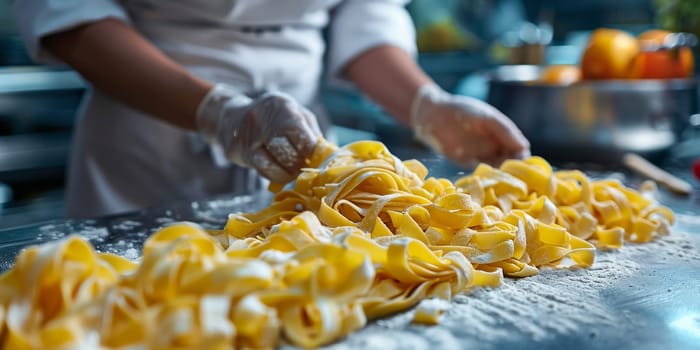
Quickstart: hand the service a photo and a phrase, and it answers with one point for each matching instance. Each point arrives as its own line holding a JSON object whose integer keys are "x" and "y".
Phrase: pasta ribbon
{"x": 359, "y": 235}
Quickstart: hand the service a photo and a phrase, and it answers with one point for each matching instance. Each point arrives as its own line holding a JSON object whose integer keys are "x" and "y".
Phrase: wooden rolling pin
{"x": 645, "y": 168}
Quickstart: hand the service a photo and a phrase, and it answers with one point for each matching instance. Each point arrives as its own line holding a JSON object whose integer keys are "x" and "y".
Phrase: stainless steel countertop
{"x": 656, "y": 305}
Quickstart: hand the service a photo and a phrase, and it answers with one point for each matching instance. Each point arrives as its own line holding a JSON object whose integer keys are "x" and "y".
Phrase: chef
{"x": 194, "y": 98}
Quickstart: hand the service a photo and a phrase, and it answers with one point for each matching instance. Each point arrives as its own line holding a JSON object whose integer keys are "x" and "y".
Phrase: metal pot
{"x": 594, "y": 121}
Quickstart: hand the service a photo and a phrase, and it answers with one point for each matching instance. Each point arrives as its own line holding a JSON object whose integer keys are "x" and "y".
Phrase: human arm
{"x": 466, "y": 130}
{"x": 119, "y": 61}
{"x": 96, "y": 39}
{"x": 376, "y": 54}
{"x": 390, "y": 77}
{"x": 273, "y": 134}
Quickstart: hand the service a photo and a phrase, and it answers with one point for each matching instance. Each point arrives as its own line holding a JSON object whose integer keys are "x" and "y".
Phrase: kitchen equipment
{"x": 37, "y": 112}
{"x": 647, "y": 169}
{"x": 528, "y": 43}
{"x": 594, "y": 121}
{"x": 672, "y": 41}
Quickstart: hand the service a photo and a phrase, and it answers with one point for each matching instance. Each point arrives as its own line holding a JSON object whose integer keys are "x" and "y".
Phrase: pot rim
{"x": 505, "y": 76}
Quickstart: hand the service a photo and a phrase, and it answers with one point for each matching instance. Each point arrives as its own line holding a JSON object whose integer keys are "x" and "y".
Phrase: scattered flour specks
{"x": 95, "y": 235}
{"x": 538, "y": 308}
{"x": 555, "y": 302}
{"x": 50, "y": 232}
{"x": 126, "y": 225}
{"x": 164, "y": 220}
{"x": 127, "y": 249}
{"x": 216, "y": 211}
{"x": 132, "y": 254}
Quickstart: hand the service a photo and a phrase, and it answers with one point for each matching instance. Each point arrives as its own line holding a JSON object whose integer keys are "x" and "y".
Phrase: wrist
{"x": 423, "y": 108}
{"x": 426, "y": 94}
{"x": 212, "y": 105}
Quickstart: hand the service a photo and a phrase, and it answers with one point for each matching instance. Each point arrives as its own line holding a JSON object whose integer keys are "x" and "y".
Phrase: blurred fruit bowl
{"x": 612, "y": 54}
{"x": 594, "y": 120}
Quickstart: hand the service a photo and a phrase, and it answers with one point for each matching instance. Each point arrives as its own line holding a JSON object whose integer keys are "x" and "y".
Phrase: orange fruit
{"x": 610, "y": 54}
{"x": 664, "y": 64}
{"x": 560, "y": 74}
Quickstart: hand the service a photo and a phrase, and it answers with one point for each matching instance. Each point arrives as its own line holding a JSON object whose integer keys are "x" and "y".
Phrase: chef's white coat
{"x": 124, "y": 160}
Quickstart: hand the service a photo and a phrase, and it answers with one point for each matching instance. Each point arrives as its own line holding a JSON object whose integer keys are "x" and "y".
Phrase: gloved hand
{"x": 273, "y": 133}
{"x": 464, "y": 129}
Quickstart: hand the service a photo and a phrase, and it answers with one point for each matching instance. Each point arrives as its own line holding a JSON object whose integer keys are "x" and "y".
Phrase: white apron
{"x": 124, "y": 160}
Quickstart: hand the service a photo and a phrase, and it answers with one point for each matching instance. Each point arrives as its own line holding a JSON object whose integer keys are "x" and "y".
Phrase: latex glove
{"x": 464, "y": 129}
{"x": 273, "y": 133}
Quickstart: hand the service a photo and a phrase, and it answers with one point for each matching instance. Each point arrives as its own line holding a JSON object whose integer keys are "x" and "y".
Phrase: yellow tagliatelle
{"x": 358, "y": 236}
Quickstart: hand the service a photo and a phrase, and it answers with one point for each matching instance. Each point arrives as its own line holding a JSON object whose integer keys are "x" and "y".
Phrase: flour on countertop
{"x": 555, "y": 302}
{"x": 94, "y": 234}
{"x": 126, "y": 225}
{"x": 127, "y": 249}
{"x": 216, "y": 211}
{"x": 165, "y": 220}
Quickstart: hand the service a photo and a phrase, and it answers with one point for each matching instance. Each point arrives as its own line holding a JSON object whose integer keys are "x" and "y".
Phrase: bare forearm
{"x": 390, "y": 77}
{"x": 119, "y": 61}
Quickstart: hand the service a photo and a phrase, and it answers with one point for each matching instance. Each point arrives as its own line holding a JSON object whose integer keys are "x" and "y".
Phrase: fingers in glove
{"x": 266, "y": 165}
{"x": 475, "y": 143}
{"x": 303, "y": 138}
{"x": 488, "y": 151}
{"x": 512, "y": 141}
{"x": 312, "y": 121}
{"x": 495, "y": 160}
{"x": 495, "y": 153}
{"x": 290, "y": 134}
{"x": 287, "y": 156}
{"x": 284, "y": 154}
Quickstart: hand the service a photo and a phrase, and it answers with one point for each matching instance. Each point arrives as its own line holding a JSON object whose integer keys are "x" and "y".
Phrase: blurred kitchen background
{"x": 459, "y": 41}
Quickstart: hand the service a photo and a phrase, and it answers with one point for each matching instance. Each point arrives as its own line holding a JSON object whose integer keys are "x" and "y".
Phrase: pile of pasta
{"x": 359, "y": 236}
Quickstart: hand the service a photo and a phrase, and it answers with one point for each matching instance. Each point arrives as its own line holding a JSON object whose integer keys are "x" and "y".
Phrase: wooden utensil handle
{"x": 645, "y": 168}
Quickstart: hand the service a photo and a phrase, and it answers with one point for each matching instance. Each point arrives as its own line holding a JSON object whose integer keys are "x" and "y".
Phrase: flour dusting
{"x": 556, "y": 302}
{"x": 216, "y": 211}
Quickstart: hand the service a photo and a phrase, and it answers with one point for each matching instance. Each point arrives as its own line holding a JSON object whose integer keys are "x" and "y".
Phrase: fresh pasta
{"x": 359, "y": 235}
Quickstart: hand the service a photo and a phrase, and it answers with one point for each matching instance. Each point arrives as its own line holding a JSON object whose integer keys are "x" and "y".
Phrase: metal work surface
{"x": 644, "y": 296}
{"x": 125, "y": 234}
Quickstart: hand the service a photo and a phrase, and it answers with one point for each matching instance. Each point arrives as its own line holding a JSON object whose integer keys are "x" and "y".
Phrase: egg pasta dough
{"x": 359, "y": 235}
